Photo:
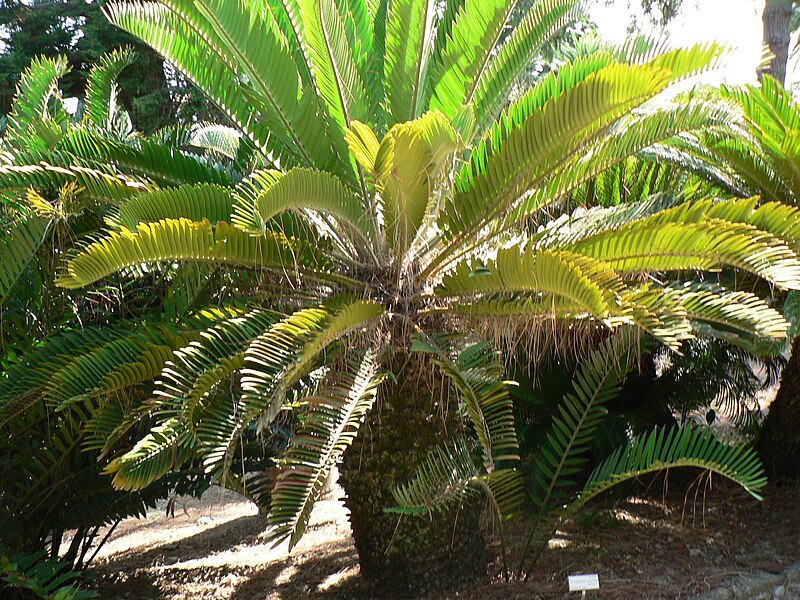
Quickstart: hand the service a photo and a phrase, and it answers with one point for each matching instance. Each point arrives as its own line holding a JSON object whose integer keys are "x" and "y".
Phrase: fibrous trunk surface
{"x": 409, "y": 554}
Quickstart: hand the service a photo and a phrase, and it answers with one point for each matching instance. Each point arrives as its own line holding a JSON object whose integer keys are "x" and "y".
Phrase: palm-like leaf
{"x": 182, "y": 239}
{"x": 100, "y": 97}
{"x": 198, "y": 202}
{"x": 18, "y": 245}
{"x": 564, "y": 453}
{"x": 441, "y": 480}
{"x": 397, "y": 199}
{"x": 670, "y": 448}
{"x": 34, "y": 91}
{"x": 273, "y": 364}
{"x": 477, "y": 375}
{"x": 330, "y": 424}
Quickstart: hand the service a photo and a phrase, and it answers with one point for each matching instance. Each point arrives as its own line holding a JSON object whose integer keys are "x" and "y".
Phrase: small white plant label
{"x": 581, "y": 583}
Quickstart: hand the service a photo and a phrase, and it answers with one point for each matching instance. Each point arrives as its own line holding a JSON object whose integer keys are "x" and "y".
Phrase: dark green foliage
{"x": 39, "y": 577}
{"x": 78, "y": 29}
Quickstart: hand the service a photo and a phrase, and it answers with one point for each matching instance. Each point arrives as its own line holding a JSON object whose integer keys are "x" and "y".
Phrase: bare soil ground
{"x": 647, "y": 545}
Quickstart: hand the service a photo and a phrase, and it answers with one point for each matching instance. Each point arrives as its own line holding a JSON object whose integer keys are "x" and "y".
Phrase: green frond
{"x": 672, "y": 448}
{"x": 195, "y": 368}
{"x": 544, "y": 20}
{"x": 182, "y": 239}
{"x": 584, "y": 283}
{"x": 100, "y": 98}
{"x": 251, "y": 42}
{"x": 583, "y": 223}
{"x": 507, "y": 487}
{"x": 159, "y": 452}
{"x": 523, "y": 149}
{"x": 184, "y": 37}
{"x": 276, "y": 360}
{"x": 101, "y": 185}
{"x": 218, "y": 139}
{"x": 710, "y": 244}
{"x": 39, "y": 82}
{"x": 627, "y": 137}
{"x": 108, "y": 366}
{"x": 19, "y": 243}
{"x": 194, "y": 202}
{"x": 474, "y": 36}
{"x": 409, "y": 42}
{"x": 768, "y": 155}
{"x": 357, "y": 23}
{"x": 331, "y": 422}
{"x": 688, "y": 62}
{"x": 334, "y": 60}
{"x": 162, "y": 164}
{"x": 374, "y": 79}
{"x": 42, "y": 576}
{"x": 308, "y": 189}
{"x": 273, "y": 363}
{"x": 407, "y": 170}
{"x": 477, "y": 374}
{"x": 441, "y": 480}
{"x": 23, "y": 381}
{"x": 563, "y": 455}
{"x": 739, "y": 318}
{"x": 447, "y": 475}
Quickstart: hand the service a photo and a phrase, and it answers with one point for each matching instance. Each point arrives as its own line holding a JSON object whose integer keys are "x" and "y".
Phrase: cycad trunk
{"x": 779, "y": 447}
{"x": 410, "y": 554}
{"x": 777, "y": 28}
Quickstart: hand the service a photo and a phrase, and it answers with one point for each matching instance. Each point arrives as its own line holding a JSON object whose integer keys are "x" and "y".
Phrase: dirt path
{"x": 642, "y": 547}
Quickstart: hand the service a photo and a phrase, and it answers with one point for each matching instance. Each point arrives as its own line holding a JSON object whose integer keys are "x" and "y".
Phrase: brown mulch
{"x": 649, "y": 544}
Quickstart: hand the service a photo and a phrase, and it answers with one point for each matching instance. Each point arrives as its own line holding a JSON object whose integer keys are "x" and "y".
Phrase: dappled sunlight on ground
{"x": 656, "y": 544}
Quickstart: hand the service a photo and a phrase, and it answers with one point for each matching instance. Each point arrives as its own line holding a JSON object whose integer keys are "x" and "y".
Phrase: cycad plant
{"x": 56, "y": 188}
{"x": 759, "y": 155}
{"x": 403, "y": 214}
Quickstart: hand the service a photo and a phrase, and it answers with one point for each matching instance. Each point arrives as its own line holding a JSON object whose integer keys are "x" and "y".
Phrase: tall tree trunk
{"x": 779, "y": 446}
{"x": 777, "y": 19}
{"x": 408, "y": 555}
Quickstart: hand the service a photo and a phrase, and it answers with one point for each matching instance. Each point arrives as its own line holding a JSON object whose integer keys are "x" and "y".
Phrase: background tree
{"x": 381, "y": 231}
{"x": 779, "y": 20}
{"x": 78, "y": 30}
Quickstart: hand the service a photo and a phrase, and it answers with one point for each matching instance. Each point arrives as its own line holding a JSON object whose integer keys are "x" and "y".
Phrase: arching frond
{"x": 19, "y": 243}
{"x": 448, "y": 475}
{"x": 525, "y": 147}
{"x": 409, "y": 41}
{"x": 308, "y": 189}
{"x": 162, "y": 164}
{"x": 101, "y": 185}
{"x": 587, "y": 284}
{"x": 219, "y": 139}
{"x": 331, "y": 422}
{"x": 182, "y": 239}
{"x": 740, "y": 318}
{"x": 211, "y": 202}
{"x": 564, "y": 453}
{"x": 442, "y": 479}
{"x": 710, "y": 244}
{"x": 35, "y": 89}
{"x": 540, "y": 24}
{"x": 273, "y": 364}
{"x": 101, "y": 86}
{"x": 672, "y": 448}
{"x": 163, "y": 449}
{"x": 477, "y": 375}
{"x": 473, "y": 39}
